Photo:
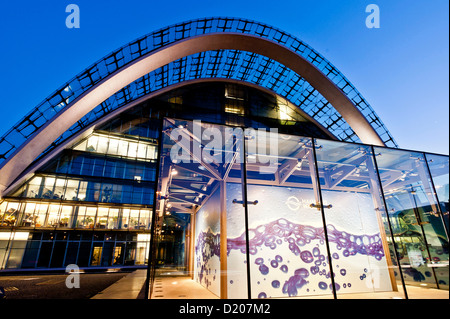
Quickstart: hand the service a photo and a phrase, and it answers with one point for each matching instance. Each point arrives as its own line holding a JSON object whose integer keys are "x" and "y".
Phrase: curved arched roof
{"x": 221, "y": 48}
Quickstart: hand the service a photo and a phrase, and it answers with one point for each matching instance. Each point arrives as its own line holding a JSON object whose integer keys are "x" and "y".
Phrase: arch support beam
{"x": 40, "y": 140}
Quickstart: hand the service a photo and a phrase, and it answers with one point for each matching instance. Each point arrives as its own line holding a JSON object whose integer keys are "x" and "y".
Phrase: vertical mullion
{"x": 389, "y": 221}
{"x": 436, "y": 195}
{"x": 244, "y": 199}
{"x": 419, "y": 221}
{"x": 323, "y": 216}
{"x": 150, "y": 272}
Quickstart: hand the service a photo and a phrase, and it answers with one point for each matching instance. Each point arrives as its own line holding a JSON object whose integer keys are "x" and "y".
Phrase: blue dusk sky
{"x": 401, "y": 68}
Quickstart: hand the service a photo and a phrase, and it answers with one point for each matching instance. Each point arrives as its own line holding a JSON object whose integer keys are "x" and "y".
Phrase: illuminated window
{"x": 176, "y": 100}
{"x": 125, "y": 147}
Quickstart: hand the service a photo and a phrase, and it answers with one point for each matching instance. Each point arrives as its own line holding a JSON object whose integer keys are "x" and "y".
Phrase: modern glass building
{"x": 232, "y": 152}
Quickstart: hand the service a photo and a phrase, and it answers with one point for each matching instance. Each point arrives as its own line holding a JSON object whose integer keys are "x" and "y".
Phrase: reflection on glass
{"x": 439, "y": 170}
{"x": 357, "y": 228}
{"x": 419, "y": 233}
{"x": 199, "y": 229}
{"x": 65, "y": 219}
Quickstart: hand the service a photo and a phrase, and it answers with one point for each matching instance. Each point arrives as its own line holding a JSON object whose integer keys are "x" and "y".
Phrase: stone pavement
{"x": 173, "y": 286}
{"x": 128, "y": 287}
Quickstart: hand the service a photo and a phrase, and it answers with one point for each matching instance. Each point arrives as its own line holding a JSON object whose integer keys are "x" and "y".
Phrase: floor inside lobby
{"x": 172, "y": 284}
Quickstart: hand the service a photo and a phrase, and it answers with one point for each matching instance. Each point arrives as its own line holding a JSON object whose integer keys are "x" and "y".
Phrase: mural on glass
{"x": 287, "y": 244}
{"x": 207, "y": 244}
{"x": 288, "y": 253}
{"x": 236, "y": 244}
{"x": 354, "y": 213}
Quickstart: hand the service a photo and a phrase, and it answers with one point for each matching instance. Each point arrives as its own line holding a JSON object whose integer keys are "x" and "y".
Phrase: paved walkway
{"x": 174, "y": 286}
{"x": 127, "y": 287}
{"x": 178, "y": 287}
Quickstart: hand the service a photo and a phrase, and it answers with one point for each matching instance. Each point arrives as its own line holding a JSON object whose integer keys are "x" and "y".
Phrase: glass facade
{"x": 105, "y": 181}
{"x": 420, "y": 235}
{"x": 273, "y": 215}
{"x": 239, "y": 191}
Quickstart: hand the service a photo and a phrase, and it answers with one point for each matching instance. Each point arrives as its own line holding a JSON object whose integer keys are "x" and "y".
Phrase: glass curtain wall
{"x": 289, "y": 216}
{"x": 317, "y": 218}
{"x": 98, "y": 193}
{"x": 199, "y": 224}
{"x": 420, "y": 236}
{"x": 288, "y": 248}
{"x": 357, "y": 227}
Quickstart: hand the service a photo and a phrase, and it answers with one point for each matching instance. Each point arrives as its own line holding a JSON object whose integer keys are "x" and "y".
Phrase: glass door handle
{"x": 235, "y": 201}
{"x": 320, "y": 206}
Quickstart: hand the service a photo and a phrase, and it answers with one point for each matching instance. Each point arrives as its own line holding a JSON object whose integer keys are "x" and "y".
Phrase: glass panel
{"x": 123, "y": 148}
{"x": 288, "y": 253}
{"x": 28, "y": 219}
{"x": 15, "y": 254}
{"x": 60, "y": 189}
{"x": 58, "y": 252}
{"x": 41, "y": 215}
{"x": 439, "y": 169}
{"x": 125, "y": 218}
{"x": 113, "y": 146}
{"x": 102, "y": 217}
{"x": 3, "y": 206}
{"x": 357, "y": 228}
{"x": 81, "y": 214}
{"x": 34, "y": 187}
{"x": 198, "y": 228}
{"x": 9, "y": 213}
{"x": 118, "y": 254}
{"x": 84, "y": 253}
{"x": 86, "y": 217}
{"x": 130, "y": 253}
{"x": 145, "y": 219}
{"x": 107, "y": 254}
{"x": 419, "y": 232}
{"x": 113, "y": 221}
{"x": 72, "y": 190}
{"x": 134, "y": 219}
{"x": 47, "y": 188}
{"x": 31, "y": 254}
{"x": 102, "y": 144}
{"x": 44, "y": 254}
{"x": 52, "y": 215}
{"x": 82, "y": 191}
{"x": 132, "y": 150}
{"x": 143, "y": 245}
{"x": 17, "y": 249}
{"x": 66, "y": 217}
{"x": 72, "y": 252}
{"x": 96, "y": 253}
